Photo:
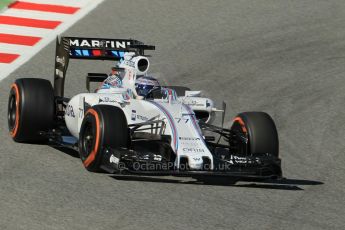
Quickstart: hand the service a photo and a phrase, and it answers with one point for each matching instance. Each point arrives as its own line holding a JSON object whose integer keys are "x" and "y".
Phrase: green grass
{"x": 4, "y": 3}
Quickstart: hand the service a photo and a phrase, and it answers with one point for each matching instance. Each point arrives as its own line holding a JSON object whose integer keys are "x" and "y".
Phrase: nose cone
{"x": 195, "y": 163}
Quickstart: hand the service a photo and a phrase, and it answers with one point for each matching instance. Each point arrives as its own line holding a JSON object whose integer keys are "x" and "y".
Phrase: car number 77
{"x": 185, "y": 120}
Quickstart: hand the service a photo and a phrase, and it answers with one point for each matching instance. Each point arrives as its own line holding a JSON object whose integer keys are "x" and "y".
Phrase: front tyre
{"x": 103, "y": 126}
{"x": 261, "y": 132}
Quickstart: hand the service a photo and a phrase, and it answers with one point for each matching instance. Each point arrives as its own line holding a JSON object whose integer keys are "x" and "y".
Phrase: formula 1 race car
{"x": 167, "y": 132}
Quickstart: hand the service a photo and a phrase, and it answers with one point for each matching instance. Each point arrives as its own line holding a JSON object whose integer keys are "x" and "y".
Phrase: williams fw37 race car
{"x": 168, "y": 131}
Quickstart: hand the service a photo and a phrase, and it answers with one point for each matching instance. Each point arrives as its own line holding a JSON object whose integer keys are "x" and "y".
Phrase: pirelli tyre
{"x": 102, "y": 126}
{"x": 31, "y": 109}
{"x": 261, "y": 132}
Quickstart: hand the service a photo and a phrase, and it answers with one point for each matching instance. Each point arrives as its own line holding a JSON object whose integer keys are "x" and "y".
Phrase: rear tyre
{"x": 103, "y": 126}
{"x": 31, "y": 109}
{"x": 260, "y": 130}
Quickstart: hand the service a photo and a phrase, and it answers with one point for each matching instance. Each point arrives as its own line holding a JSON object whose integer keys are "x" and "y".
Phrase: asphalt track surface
{"x": 283, "y": 57}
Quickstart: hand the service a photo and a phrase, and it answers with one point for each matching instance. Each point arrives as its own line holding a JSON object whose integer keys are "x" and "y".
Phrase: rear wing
{"x": 90, "y": 49}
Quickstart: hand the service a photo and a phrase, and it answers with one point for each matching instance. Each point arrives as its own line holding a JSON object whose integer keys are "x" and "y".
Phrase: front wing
{"x": 262, "y": 167}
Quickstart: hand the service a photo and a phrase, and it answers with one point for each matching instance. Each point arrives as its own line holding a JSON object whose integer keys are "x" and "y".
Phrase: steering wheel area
{"x": 155, "y": 93}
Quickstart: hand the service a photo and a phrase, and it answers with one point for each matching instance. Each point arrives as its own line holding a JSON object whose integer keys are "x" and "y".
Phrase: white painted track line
{"x": 78, "y": 3}
{"x": 15, "y": 49}
{"x": 37, "y": 15}
{"x": 26, "y": 31}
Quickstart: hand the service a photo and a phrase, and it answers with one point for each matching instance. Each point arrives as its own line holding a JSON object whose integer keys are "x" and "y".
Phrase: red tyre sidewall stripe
{"x": 241, "y": 122}
{"x": 14, "y": 131}
{"x": 94, "y": 152}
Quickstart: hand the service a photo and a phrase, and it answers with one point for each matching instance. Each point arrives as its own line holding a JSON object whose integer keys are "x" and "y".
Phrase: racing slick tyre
{"x": 180, "y": 90}
{"x": 103, "y": 126}
{"x": 260, "y": 130}
{"x": 31, "y": 109}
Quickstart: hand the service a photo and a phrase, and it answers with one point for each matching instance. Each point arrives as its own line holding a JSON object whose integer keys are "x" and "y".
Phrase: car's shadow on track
{"x": 68, "y": 151}
{"x": 283, "y": 184}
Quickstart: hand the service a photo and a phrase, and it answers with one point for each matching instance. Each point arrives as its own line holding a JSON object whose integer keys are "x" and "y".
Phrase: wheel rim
{"x": 88, "y": 140}
{"x": 239, "y": 128}
{"x": 12, "y": 112}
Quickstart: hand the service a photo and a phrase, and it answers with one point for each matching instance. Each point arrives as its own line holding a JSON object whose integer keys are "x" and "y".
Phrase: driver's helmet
{"x": 144, "y": 84}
